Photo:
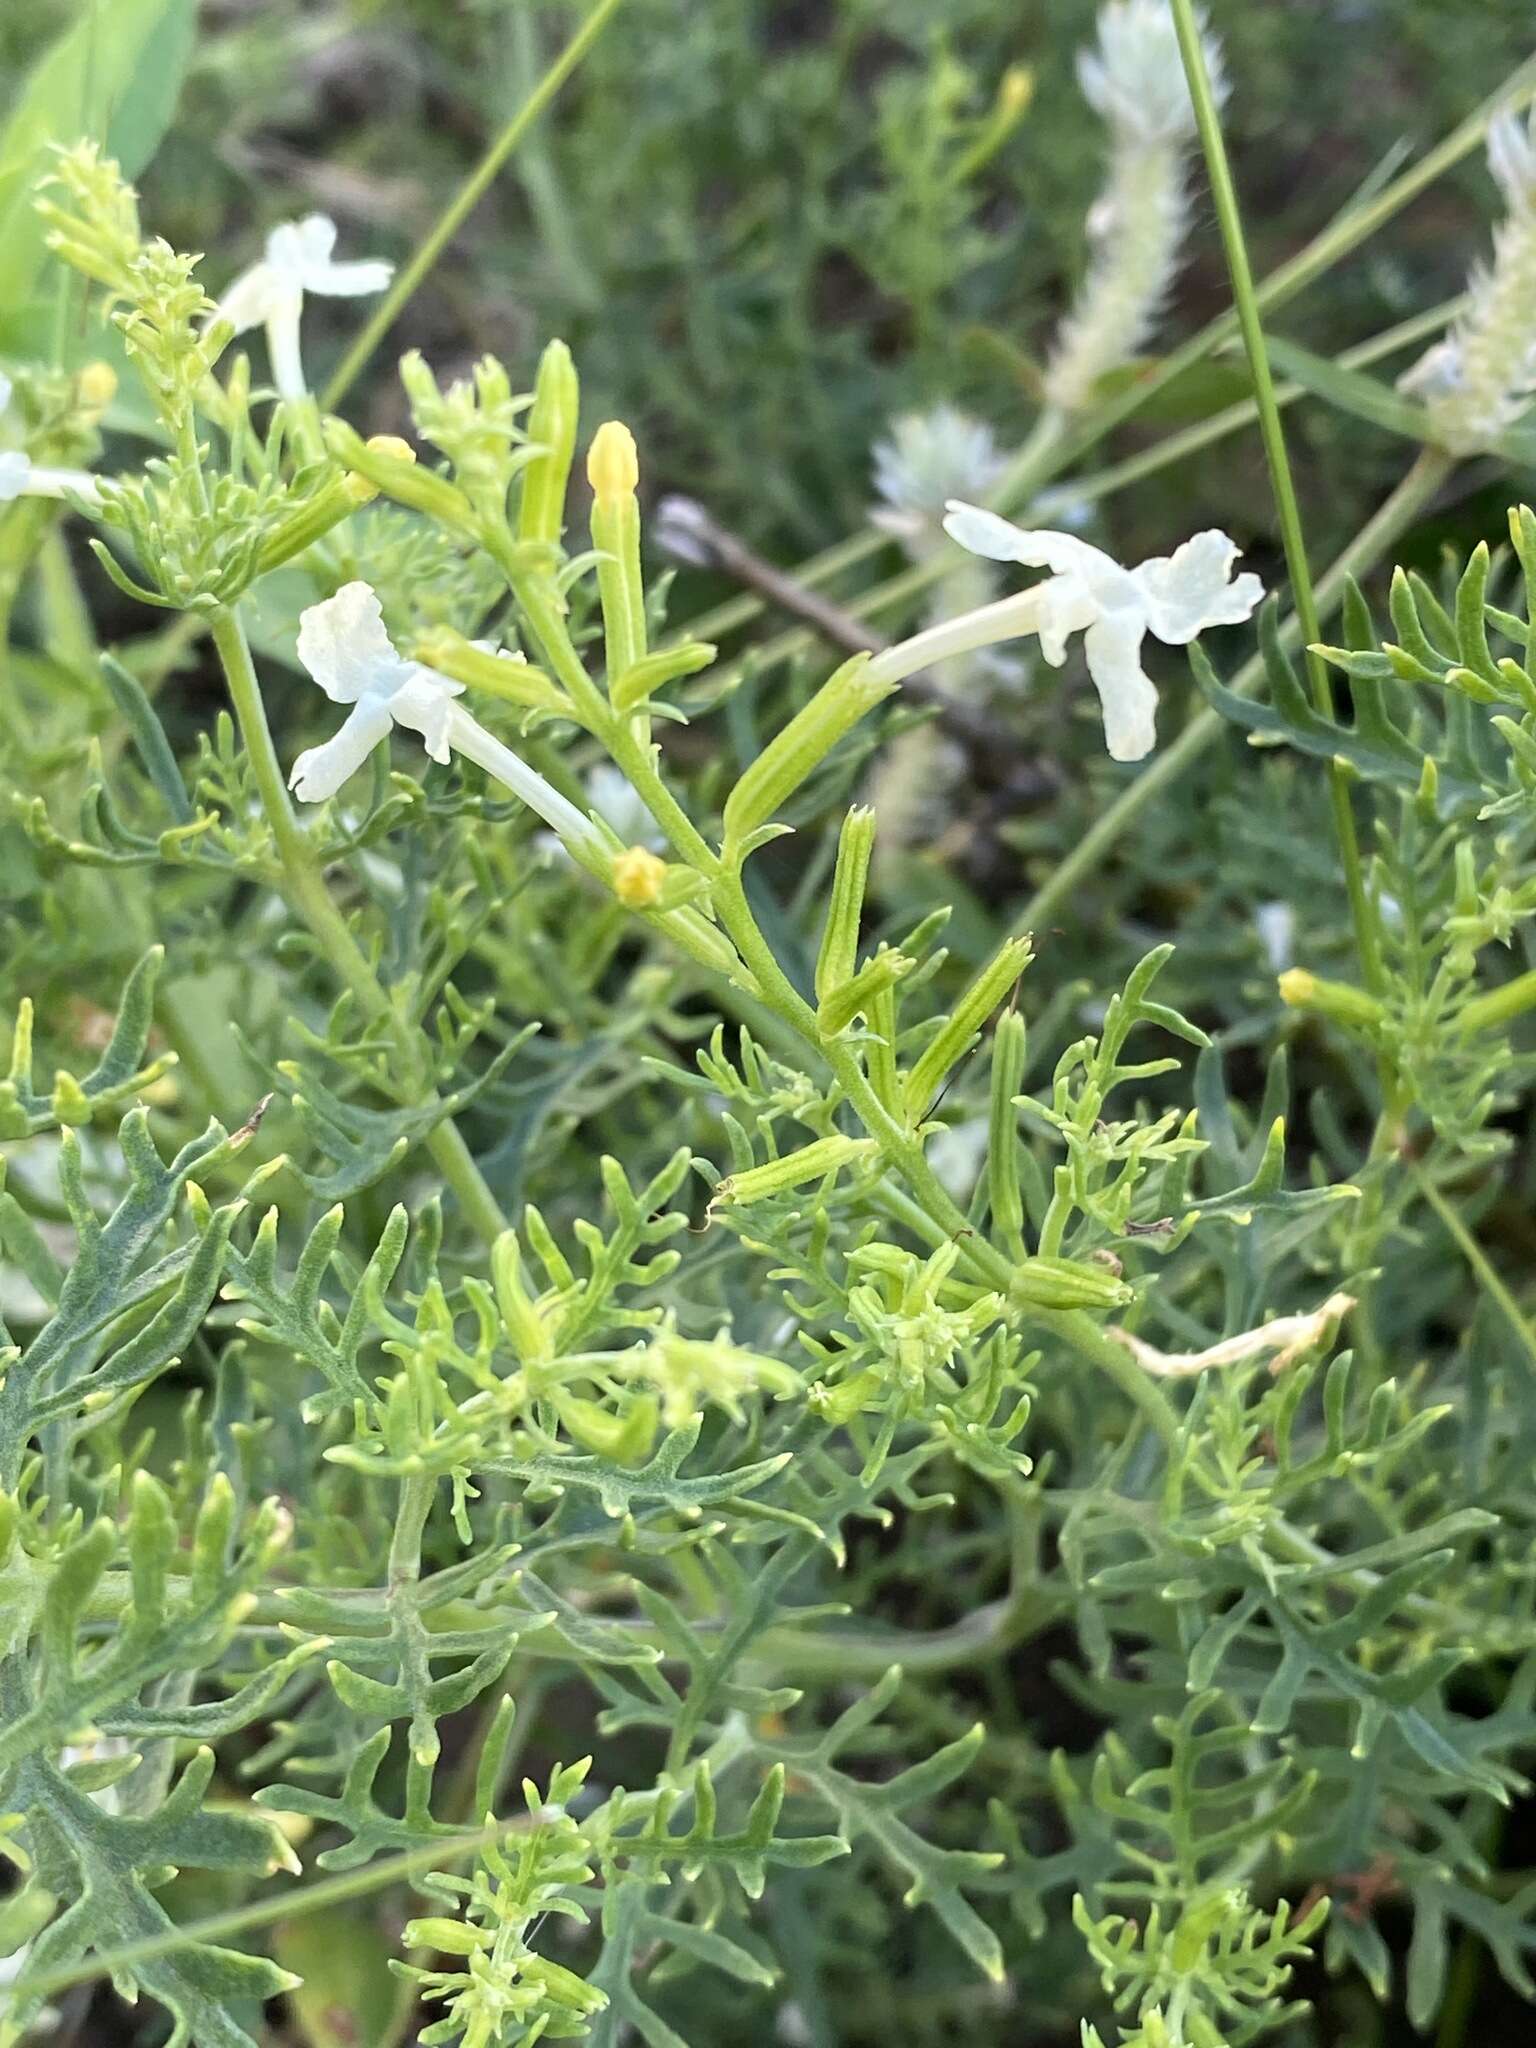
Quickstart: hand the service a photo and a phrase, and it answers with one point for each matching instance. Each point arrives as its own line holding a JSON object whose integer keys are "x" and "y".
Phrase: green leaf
{"x": 1351, "y": 391}
{"x": 114, "y": 77}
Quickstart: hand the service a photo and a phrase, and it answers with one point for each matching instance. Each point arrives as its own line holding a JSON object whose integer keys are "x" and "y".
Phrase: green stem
{"x": 899, "y": 1145}
{"x": 305, "y": 887}
{"x": 1477, "y": 1259}
{"x": 1250, "y": 322}
{"x": 464, "y": 202}
{"x": 303, "y": 1898}
{"x": 1397, "y": 512}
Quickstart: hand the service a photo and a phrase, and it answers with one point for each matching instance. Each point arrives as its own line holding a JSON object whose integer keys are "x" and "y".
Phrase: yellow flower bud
{"x": 358, "y": 488}
{"x": 1297, "y": 987}
{"x": 1016, "y": 90}
{"x": 638, "y": 877}
{"x": 97, "y": 386}
{"x": 613, "y": 463}
{"x": 392, "y": 446}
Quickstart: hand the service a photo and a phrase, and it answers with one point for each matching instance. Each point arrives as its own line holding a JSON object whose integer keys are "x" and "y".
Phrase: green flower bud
{"x": 448, "y": 653}
{"x": 811, "y": 1162}
{"x": 551, "y": 427}
{"x": 858, "y": 994}
{"x": 957, "y": 1031}
{"x": 1305, "y": 991}
{"x": 1003, "y": 1196}
{"x": 802, "y": 746}
{"x": 399, "y": 477}
{"x": 840, "y": 938}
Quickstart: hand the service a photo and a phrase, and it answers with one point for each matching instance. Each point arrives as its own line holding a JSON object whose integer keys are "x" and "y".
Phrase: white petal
{"x": 351, "y": 280}
{"x": 343, "y": 644}
{"x": 1113, "y": 648}
{"x": 423, "y": 702}
{"x": 283, "y": 343}
{"x": 59, "y": 483}
{"x": 15, "y": 474}
{"x": 251, "y": 298}
{"x": 320, "y": 771}
{"x": 1188, "y": 590}
{"x": 982, "y": 532}
{"x": 1066, "y": 606}
{"x": 300, "y": 247}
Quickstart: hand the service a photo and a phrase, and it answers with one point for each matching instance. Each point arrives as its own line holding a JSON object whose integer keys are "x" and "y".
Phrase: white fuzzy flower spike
{"x": 1480, "y": 379}
{"x": 346, "y": 648}
{"x": 299, "y": 258}
{"x": 1134, "y": 81}
{"x": 1174, "y": 597}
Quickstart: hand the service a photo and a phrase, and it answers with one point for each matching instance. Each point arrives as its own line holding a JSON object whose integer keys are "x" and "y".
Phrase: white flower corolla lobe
{"x": 1173, "y": 597}
{"x": 299, "y": 258}
{"x": 345, "y": 646}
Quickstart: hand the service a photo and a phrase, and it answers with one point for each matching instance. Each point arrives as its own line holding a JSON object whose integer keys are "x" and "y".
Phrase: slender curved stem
{"x": 1250, "y": 322}
{"x": 464, "y": 202}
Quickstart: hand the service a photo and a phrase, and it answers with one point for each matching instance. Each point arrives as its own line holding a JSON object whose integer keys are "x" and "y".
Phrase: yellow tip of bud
{"x": 1017, "y": 88}
{"x": 392, "y": 446}
{"x": 638, "y": 877}
{"x": 613, "y": 462}
{"x": 97, "y": 386}
{"x": 358, "y": 488}
{"x": 1297, "y": 987}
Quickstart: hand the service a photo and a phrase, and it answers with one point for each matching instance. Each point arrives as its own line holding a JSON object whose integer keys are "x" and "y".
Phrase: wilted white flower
{"x": 1285, "y": 1339}
{"x": 344, "y": 645}
{"x": 1135, "y": 81}
{"x": 1482, "y": 376}
{"x": 1174, "y": 597}
{"x": 21, "y": 477}
{"x": 299, "y": 258}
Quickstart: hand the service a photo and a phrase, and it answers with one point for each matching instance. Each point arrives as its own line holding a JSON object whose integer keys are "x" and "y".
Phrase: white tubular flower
{"x": 1482, "y": 376}
{"x": 927, "y": 459}
{"x": 1135, "y": 82}
{"x": 1174, "y": 597}
{"x": 21, "y": 477}
{"x": 270, "y": 294}
{"x": 346, "y": 648}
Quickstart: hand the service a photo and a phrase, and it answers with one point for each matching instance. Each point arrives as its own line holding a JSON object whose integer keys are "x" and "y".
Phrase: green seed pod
{"x": 811, "y": 1162}
{"x": 551, "y": 427}
{"x": 957, "y": 1031}
{"x": 840, "y": 938}
{"x": 803, "y": 745}
{"x": 1044, "y": 1282}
